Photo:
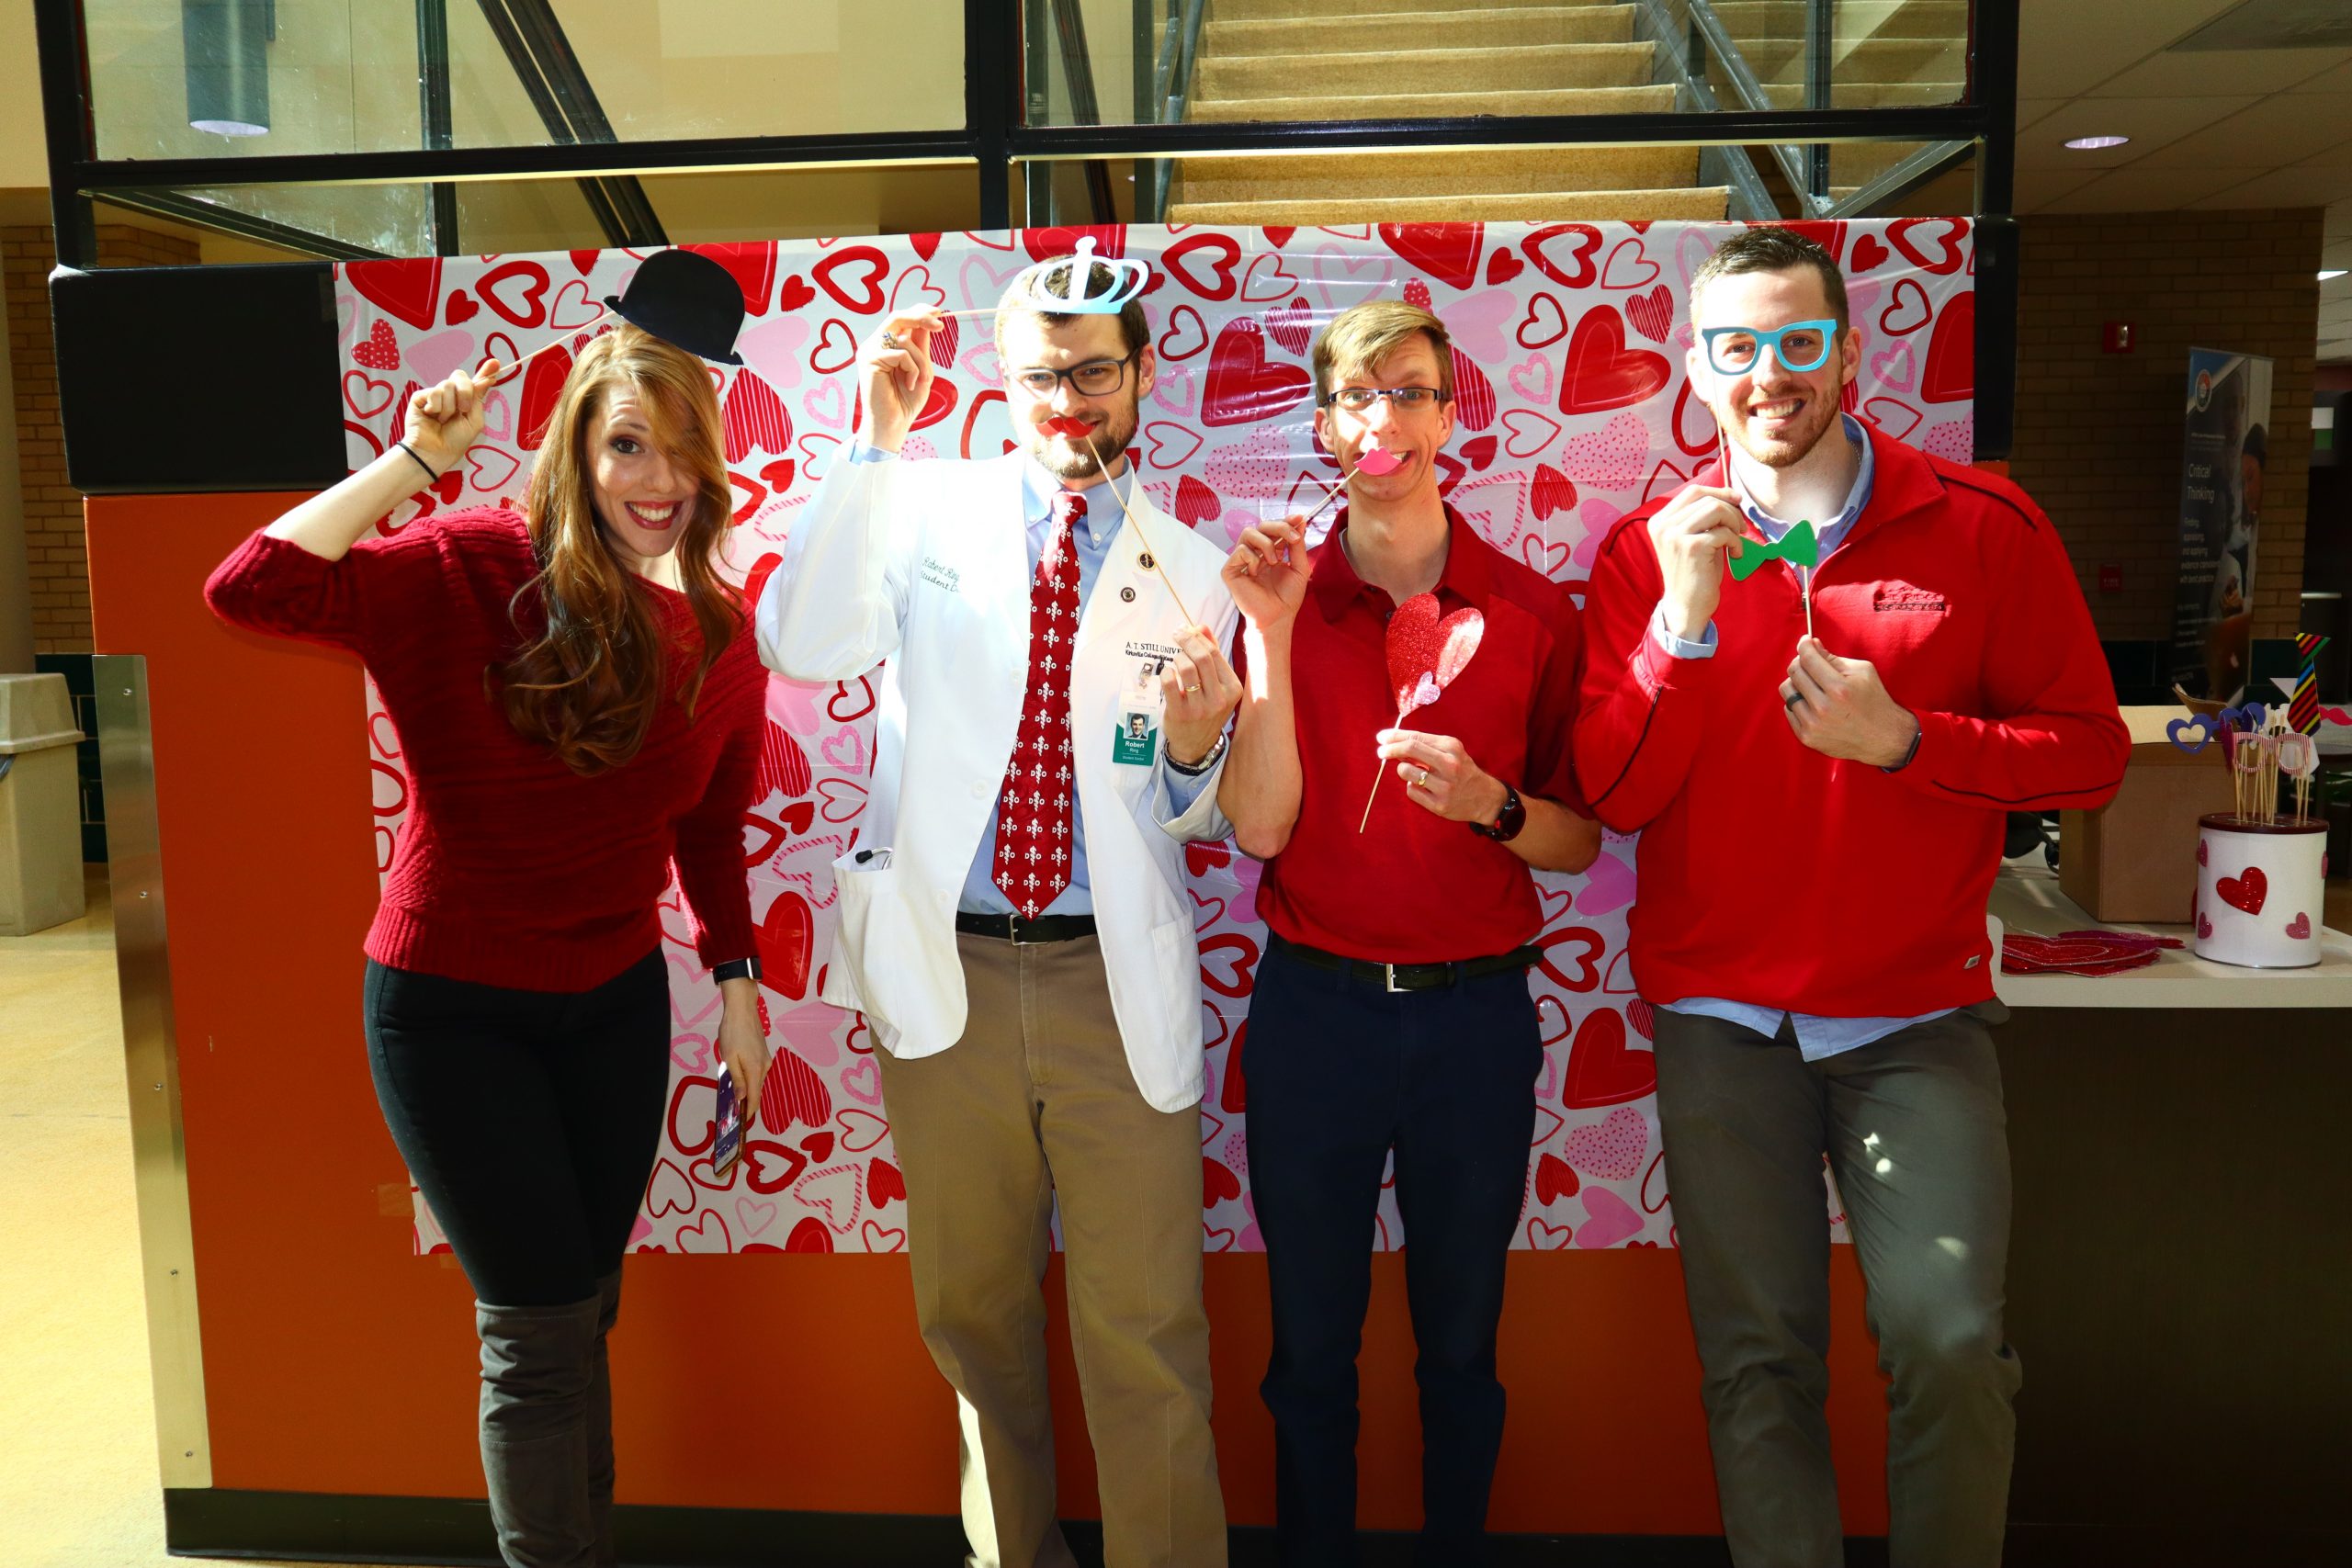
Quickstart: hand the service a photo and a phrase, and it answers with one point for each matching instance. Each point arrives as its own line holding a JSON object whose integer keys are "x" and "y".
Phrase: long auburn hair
{"x": 590, "y": 682}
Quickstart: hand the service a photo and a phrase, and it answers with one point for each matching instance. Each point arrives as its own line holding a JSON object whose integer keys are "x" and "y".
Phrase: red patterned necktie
{"x": 1032, "y": 824}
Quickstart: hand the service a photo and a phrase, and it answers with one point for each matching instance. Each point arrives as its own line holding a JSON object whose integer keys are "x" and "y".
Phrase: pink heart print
{"x": 1426, "y": 653}
{"x": 2299, "y": 927}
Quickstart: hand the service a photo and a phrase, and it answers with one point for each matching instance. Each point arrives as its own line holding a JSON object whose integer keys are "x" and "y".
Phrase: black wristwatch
{"x": 737, "y": 969}
{"x": 1506, "y": 826}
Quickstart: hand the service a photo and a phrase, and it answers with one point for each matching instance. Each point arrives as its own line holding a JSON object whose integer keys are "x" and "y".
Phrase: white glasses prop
{"x": 1800, "y": 346}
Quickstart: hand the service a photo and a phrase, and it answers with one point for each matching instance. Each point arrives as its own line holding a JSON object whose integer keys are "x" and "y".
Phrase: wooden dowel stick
{"x": 1104, "y": 469}
{"x": 602, "y": 312}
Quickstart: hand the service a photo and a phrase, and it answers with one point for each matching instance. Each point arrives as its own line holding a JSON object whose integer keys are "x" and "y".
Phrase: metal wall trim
{"x": 150, "y": 1056}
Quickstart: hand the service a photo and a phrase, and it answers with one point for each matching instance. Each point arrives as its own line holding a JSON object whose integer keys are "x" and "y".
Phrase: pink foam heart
{"x": 1423, "y": 648}
{"x": 1613, "y": 1220}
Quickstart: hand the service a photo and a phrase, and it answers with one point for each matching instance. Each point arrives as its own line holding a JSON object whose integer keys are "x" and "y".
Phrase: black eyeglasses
{"x": 1096, "y": 378}
{"x": 1404, "y": 400}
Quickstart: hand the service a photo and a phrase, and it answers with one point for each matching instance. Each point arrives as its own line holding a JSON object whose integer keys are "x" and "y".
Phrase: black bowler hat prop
{"x": 681, "y": 296}
{"x": 684, "y": 299}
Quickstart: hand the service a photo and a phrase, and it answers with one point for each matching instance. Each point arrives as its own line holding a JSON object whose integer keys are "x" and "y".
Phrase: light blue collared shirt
{"x": 1105, "y": 510}
{"x": 1818, "y": 1036}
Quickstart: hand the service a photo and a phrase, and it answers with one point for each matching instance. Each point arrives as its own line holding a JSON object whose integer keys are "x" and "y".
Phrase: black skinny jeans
{"x": 529, "y": 1119}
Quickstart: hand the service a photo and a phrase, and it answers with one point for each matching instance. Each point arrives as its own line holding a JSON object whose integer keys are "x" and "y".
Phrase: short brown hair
{"x": 1363, "y": 335}
{"x": 1774, "y": 248}
{"x": 1051, "y": 276}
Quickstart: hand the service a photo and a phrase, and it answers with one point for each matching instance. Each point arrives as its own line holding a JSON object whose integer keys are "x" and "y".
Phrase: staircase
{"x": 1389, "y": 58}
{"x": 1340, "y": 60}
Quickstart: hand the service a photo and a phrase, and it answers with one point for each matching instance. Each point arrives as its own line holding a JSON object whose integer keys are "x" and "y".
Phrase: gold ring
{"x": 1192, "y": 690}
{"x": 890, "y": 340}
{"x": 1423, "y": 782}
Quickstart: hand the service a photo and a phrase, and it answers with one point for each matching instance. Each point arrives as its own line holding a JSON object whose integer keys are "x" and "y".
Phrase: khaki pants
{"x": 1036, "y": 1101}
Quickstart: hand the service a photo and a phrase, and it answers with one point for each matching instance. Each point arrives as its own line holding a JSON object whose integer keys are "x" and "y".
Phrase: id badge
{"x": 1134, "y": 742}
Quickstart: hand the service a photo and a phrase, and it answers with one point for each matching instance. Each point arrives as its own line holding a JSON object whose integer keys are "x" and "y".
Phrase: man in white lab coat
{"x": 1013, "y": 922}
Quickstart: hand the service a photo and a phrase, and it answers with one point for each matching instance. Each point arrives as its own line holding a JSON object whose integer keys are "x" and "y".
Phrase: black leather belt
{"x": 1012, "y": 928}
{"x": 1402, "y": 976}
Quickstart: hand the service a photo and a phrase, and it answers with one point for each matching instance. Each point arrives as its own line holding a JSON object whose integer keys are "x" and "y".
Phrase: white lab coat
{"x": 925, "y": 564}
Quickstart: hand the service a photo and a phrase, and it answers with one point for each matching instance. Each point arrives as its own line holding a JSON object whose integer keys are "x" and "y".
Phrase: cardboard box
{"x": 2134, "y": 861}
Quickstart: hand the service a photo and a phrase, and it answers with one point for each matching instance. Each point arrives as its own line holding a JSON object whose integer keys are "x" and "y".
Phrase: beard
{"x": 1791, "y": 447}
{"x": 1069, "y": 459}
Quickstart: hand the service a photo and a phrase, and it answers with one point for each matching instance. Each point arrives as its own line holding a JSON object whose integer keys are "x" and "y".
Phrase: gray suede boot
{"x": 600, "y": 1424}
{"x": 536, "y": 1376}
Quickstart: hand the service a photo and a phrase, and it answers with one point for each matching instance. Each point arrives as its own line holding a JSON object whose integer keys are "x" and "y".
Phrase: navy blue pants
{"x": 1340, "y": 1073}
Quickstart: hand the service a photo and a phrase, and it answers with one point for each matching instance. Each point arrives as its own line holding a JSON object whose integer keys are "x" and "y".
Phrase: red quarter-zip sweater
{"x": 1779, "y": 876}
{"x": 512, "y": 870}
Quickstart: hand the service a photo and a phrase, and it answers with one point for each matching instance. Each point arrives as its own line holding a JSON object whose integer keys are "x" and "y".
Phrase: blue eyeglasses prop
{"x": 1799, "y": 346}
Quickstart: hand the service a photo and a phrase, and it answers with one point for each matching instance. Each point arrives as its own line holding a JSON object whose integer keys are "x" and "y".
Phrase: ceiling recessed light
{"x": 2329, "y": 274}
{"x": 2094, "y": 143}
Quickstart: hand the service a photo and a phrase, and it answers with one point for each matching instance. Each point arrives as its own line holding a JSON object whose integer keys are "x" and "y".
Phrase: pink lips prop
{"x": 1378, "y": 460}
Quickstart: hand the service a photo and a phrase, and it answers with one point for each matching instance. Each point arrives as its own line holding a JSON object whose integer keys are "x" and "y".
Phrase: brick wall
{"x": 57, "y": 559}
{"x": 2098, "y": 435}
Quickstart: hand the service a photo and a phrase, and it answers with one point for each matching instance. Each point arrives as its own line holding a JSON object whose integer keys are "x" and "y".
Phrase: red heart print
{"x": 946, "y": 341}
{"x": 1601, "y": 1069}
{"x": 1279, "y": 237}
{"x": 2204, "y": 926}
{"x": 1481, "y": 452}
{"x": 1447, "y": 252}
{"x": 542, "y": 385}
{"x": 1186, "y": 334}
{"x": 528, "y": 304}
{"x": 1474, "y": 395}
{"x": 1233, "y": 1096}
{"x": 797, "y": 293}
{"x": 2244, "y": 891}
{"x": 1601, "y": 372}
{"x": 1292, "y": 325}
{"x": 690, "y": 1084}
{"x": 1502, "y": 266}
{"x": 1199, "y": 859}
{"x": 382, "y": 351}
{"x": 2299, "y": 927}
{"x": 936, "y": 406}
{"x": 884, "y": 1183}
{"x": 409, "y": 289}
{"x": 757, "y": 419}
{"x": 836, "y": 347}
{"x": 926, "y": 245}
{"x": 1242, "y": 389}
{"x": 1951, "y": 375}
{"x": 1828, "y": 234}
{"x": 753, "y": 267}
{"x": 1867, "y": 253}
{"x": 1587, "y": 974}
{"x": 463, "y": 308}
{"x": 1628, "y": 267}
{"x": 1644, "y": 1018}
{"x": 1049, "y": 243}
{"x": 1579, "y": 271}
{"x": 2201, "y": 851}
{"x": 1218, "y": 1184}
{"x": 585, "y": 262}
{"x": 1551, "y": 490}
{"x": 1416, "y": 293}
{"x": 857, "y": 706}
{"x": 809, "y": 1236}
{"x": 363, "y": 395}
{"x": 1555, "y": 1179}
{"x": 1219, "y": 281}
{"x": 786, "y": 940}
{"x": 1652, "y": 314}
{"x": 1906, "y": 309}
{"x": 1943, "y": 265}
{"x": 1196, "y": 503}
{"x": 777, "y": 476}
{"x": 1228, "y": 964}
{"x": 862, "y": 295}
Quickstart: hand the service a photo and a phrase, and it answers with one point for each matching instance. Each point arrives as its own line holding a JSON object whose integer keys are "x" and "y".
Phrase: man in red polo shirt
{"x": 1821, "y": 821}
{"x": 1391, "y": 1009}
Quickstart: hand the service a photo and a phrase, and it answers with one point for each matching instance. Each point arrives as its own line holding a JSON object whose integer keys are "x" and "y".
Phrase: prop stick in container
{"x": 2299, "y": 759}
{"x": 1425, "y": 654}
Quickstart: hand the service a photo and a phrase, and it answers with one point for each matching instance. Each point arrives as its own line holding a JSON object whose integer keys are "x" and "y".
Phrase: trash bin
{"x": 41, "y": 817}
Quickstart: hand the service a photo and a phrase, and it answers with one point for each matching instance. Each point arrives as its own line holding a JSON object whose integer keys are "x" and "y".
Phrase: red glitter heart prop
{"x": 1425, "y": 653}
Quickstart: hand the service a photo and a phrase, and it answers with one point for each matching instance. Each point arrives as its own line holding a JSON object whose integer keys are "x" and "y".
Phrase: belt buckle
{"x": 1388, "y": 972}
{"x": 1013, "y": 932}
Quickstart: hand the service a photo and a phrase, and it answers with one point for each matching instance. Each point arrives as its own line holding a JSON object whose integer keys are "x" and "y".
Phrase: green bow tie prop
{"x": 1799, "y": 546}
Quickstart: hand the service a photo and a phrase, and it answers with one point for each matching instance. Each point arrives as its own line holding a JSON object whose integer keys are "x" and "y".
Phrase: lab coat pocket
{"x": 873, "y": 930}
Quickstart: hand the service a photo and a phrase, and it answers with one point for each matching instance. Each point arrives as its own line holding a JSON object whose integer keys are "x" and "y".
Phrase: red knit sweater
{"x": 1775, "y": 875}
{"x": 512, "y": 870}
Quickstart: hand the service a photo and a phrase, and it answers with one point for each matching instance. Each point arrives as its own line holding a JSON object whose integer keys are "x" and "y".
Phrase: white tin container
{"x": 2259, "y": 890}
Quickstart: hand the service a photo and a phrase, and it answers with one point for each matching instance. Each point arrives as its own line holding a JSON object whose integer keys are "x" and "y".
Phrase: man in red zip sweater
{"x": 1821, "y": 820}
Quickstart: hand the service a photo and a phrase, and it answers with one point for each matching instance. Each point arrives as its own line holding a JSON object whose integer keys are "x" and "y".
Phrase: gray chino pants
{"x": 1914, "y": 1128}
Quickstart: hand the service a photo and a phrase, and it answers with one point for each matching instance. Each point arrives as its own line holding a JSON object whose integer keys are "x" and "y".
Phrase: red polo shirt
{"x": 1413, "y": 887}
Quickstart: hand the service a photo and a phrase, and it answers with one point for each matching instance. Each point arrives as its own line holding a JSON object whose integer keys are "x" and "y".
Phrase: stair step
{"x": 1371, "y": 175}
{"x": 1868, "y": 95}
{"x": 1301, "y": 10}
{"x": 1870, "y": 60}
{"x": 1439, "y": 106}
{"x": 1748, "y": 20}
{"x": 1431, "y": 69}
{"x": 1494, "y": 28}
{"x": 1703, "y": 202}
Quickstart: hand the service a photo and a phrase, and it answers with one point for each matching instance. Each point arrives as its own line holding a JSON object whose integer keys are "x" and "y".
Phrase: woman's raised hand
{"x": 444, "y": 420}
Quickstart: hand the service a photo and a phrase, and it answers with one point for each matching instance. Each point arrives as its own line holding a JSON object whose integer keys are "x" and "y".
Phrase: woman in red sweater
{"x": 579, "y": 700}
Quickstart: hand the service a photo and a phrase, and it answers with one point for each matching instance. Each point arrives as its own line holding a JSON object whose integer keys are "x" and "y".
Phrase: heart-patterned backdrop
{"x": 1572, "y": 407}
